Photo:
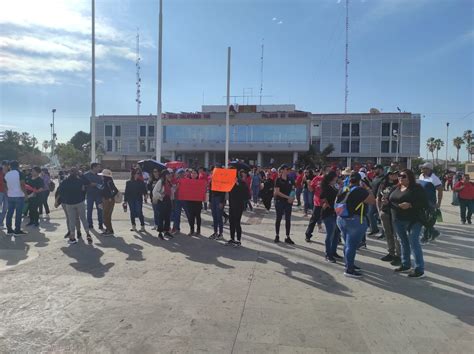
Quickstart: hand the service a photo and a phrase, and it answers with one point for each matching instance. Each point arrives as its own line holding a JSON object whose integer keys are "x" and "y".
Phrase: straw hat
{"x": 105, "y": 172}
{"x": 347, "y": 171}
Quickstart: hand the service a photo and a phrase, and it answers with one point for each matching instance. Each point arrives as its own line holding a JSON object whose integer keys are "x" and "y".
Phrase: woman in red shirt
{"x": 465, "y": 189}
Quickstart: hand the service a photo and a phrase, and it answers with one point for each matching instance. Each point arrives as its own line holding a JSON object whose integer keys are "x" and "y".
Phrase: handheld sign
{"x": 223, "y": 180}
{"x": 192, "y": 190}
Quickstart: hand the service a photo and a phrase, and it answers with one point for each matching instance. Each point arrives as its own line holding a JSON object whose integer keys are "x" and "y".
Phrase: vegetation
{"x": 21, "y": 147}
{"x": 457, "y": 142}
{"x": 312, "y": 158}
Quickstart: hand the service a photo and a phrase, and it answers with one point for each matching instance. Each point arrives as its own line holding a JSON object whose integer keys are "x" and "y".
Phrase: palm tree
{"x": 468, "y": 139}
{"x": 438, "y": 145}
{"x": 430, "y": 145}
{"x": 457, "y": 142}
{"x": 45, "y": 145}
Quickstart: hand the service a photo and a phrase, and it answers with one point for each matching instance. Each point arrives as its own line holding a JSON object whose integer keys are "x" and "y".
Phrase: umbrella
{"x": 239, "y": 165}
{"x": 149, "y": 165}
{"x": 175, "y": 164}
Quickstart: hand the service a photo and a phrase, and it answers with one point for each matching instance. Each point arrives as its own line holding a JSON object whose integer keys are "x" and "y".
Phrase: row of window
{"x": 353, "y": 129}
{"x": 116, "y": 131}
{"x": 353, "y": 146}
{"x": 144, "y": 145}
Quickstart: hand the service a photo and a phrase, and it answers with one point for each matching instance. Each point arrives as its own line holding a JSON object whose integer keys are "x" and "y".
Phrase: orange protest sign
{"x": 223, "y": 180}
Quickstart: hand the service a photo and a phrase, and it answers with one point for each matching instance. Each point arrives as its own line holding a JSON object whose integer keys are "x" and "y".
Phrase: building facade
{"x": 260, "y": 135}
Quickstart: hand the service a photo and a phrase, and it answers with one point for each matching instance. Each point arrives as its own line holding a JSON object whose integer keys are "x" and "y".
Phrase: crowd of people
{"x": 386, "y": 202}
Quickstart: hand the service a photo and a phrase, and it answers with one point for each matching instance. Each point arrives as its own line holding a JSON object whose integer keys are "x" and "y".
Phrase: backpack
{"x": 342, "y": 210}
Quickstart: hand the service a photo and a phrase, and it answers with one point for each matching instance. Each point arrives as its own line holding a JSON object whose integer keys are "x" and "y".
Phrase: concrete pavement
{"x": 135, "y": 293}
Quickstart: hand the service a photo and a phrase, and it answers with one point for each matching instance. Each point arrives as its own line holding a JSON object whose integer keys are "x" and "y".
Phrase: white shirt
{"x": 433, "y": 179}
{"x": 13, "y": 184}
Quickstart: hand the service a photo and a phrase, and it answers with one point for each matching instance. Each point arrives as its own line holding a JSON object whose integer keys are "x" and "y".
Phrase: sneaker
{"x": 168, "y": 234}
{"x": 397, "y": 261}
{"x": 11, "y": 232}
{"x": 307, "y": 238}
{"x": 357, "y": 268}
{"x": 416, "y": 274}
{"x": 469, "y": 222}
{"x": 381, "y": 237}
{"x": 142, "y": 228}
{"x": 89, "y": 239}
{"x": 101, "y": 228}
{"x": 337, "y": 256}
{"x": 353, "y": 274}
{"x": 72, "y": 241}
{"x": 237, "y": 244}
{"x": 173, "y": 230}
{"x": 220, "y": 237}
{"x": 289, "y": 241}
{"x": 434, "y": 234}
{"x": 402, "y": 269}
{"x": 330, "y": 259}
{"x": 230, "y": 243}
{"x": 277, "y": 239}
{"x": 372, "y": 233}
{"x": 424, "y": 240}
{"x": 19, "y": 233}
{"x": 134, "y": 228}
{"x": 67, "y": 235}
{"x": 387, "y": 258}
{"x": 213, "y": 236}
{"x": 160, "y": 235}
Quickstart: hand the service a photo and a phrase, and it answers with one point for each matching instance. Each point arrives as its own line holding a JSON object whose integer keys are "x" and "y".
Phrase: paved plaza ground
{"x": 135, "y": 293}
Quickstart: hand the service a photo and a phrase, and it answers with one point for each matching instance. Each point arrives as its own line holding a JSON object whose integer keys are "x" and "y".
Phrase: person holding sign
{"x": 284, "y": 196}
{"x": 238, "y": 198}
{"x": 194, "y": 211}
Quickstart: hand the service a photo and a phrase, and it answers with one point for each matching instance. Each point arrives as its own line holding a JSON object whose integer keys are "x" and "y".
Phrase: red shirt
{"x": 467, "y": 192}
{"x": 316, "y": 186}
{"x": 299, "y": 181}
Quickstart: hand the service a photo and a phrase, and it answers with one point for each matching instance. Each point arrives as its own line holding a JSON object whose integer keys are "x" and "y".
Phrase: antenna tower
{"x": 139, "y": 79}
{"x": 261, "y": 74}
{"x": 346, "y": 92}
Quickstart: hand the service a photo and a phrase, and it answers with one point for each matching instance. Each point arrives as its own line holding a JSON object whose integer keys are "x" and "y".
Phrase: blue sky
{"x": 414, "y": 54}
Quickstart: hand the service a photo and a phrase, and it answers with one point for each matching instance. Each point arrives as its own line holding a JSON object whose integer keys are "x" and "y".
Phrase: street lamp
{"x": 53, "y": 134}
{"x": 397, "y": 136}
{"x": 447, "y": 144}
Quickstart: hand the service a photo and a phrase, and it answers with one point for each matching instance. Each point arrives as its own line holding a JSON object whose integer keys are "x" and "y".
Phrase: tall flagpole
{"x": 92, "y": 123}
{"x": 159, "y": 129}
{"x": 227, "y": 115}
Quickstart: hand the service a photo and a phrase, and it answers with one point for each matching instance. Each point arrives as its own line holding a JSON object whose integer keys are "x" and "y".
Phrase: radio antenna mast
{"x": 139, "y": 79}
{"x": 261, "y": 74}
{"x": 346, "y": 91}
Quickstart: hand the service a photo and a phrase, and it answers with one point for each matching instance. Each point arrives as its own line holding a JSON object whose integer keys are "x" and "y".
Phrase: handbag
{"x": 118, "y": 197}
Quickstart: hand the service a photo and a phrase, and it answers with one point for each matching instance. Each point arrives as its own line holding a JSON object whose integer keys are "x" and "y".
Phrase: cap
{"x": 105, "y": 172}
{"x": 428, "y": 165}
{"x": 347, "y": 171}
{"x": 392, "y": 170}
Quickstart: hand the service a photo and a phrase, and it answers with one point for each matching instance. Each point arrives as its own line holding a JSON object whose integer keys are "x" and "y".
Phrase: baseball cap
{"x": 428, "y": 165}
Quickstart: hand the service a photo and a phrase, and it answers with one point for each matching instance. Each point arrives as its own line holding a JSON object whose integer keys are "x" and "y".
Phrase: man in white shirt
{"x": 427, "y": 175}
{"x": 16, "y": 198}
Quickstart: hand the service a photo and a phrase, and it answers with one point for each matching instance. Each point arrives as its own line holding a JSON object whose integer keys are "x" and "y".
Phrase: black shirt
{"x": 357, "y": 196}
{"x": 376, "y": 182}
{"x": 329, "y": 194}
{"x": 415, "y": 196}
{"x": 385, "y": 188}
{"x": 72, "y": 190}
{"x": 36, "y": 183}
{"x": 285, "y": 185}
{"x": 109, "y": 191}
{"x": 134, "y": 190}
{"x": 239, "y": 195}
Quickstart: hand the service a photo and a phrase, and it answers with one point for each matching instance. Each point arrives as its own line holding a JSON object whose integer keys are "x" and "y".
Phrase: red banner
{"x": 192, "y": 190}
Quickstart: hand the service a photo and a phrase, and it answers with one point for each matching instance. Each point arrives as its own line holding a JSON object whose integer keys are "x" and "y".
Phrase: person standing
{"x": 299, "y": 186}
{"x": 3, "y": 192}
{"x": 407, "y": 201}
{"x": 135, "y": 190}
{"x": 372, "y": 213}
{"x": 255, "y": 185}
{"x": 194, "y": 211}
{"x": 108, "y": 192}
{"x": 217, "y": 200}
{"x": 465, "y": 190}
{"x": 352, "y": 221}
{"x": 328, "y": 215}
{"x": 72, "y": 194}
{"x": 179, "y": 205}
{"x": 94, "y": 195}
{"x": 393, "y": 244}
{"x": 308, "y": 195}
{"x": 16, "y": 192}
{"x": 427, "y": 175}
{"x": 162, "y": 197}
{"x": 155, "y": 177}
{"x": 284, "y": 197}
{"x": 266, "y": 194}
{"x": 45, "y": 176}
{"x": 315, "y": 188}
{"x": 238, "y": 198}
{"x": 35, "y": 197}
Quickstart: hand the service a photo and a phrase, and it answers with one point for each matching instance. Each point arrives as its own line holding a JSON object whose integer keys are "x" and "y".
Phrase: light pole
{"x": 53, "y": 135}
{"x": 92, "y": 122}
{"x": 159, "y": 129}
{"x": 397, "y": 136}
{"x": 227, "y": 112}
{"x": 447, "y": 144}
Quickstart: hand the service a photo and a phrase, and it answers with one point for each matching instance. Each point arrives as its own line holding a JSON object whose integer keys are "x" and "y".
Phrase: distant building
{"x": 260, "y": 135}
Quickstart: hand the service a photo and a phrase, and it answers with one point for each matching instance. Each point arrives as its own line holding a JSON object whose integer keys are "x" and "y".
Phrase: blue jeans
{"x": 255, "y": 191}
{"x": 372, "y": 215}
{"x": 298, "y": 195}
{"x": 91, "y": 201}
{"x": 331, "y": 239}
{"x": 136, "y": 211}
{"x": 156, "y": 213}
{"x": 178, "y": 205}
{"x": 217, "y": 215}
{"x": 352, "y": 232}
{"x": 3, "y": 207}
{"x": 164, "y": 218}
{"x": 308, "y": 200}
{"x": 409, "y": 235}
{"x": 15, "y": 205}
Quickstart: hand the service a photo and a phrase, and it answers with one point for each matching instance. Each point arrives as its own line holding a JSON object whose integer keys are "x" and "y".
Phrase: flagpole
{"x": 92, "y": 123}
{"x": 227, "y": 132}
{"x": 159, "y": 129}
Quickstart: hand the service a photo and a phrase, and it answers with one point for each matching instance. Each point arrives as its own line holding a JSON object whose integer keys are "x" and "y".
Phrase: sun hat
{"x": 106, "y": 172}
{"x": 347, "y": 171}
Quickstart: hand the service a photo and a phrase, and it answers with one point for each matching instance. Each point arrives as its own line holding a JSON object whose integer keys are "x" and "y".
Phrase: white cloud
{"x": 281, "y": 22}
{"x": 274, "y": 19}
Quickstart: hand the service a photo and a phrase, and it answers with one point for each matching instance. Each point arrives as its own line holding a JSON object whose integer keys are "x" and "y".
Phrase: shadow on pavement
{"x": 87, "y": 259}
{"x": 133, "y": 250}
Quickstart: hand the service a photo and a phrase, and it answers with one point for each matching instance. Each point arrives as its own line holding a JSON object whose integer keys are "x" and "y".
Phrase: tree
{"x": 468, "y": 139}
{"x": 45, "y": 145}
{"x": 431, "y": 146}
{"x": 313, "y": 158}
{"x": 69, "y": 156}
{"x": 21, "y": 147}
{"x": 438, "y": 145}
{"x": 457, "y": 142}
{"x": 80, "y": 139}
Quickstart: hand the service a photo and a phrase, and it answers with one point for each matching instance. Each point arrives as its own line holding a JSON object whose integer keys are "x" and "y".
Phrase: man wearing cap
{"x": 372, "y": 212}
{"x": 426, "y": 177}
{"x": 284, "y": 197}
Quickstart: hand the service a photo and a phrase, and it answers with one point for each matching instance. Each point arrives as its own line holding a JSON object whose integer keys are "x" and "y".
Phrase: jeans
{"x": 308, "y": 200}
{"x": 15, "y": 205}
{"x": 217, "y": 211}
{"x": 352, "y": 232}
{"x": 3, "y": 207}
{"x": 298, "y": 195}
{"x": 164, "y": 218}
{"x": 136, "y": 211}
{"x": 372, "y": 215}
{"x": 393, "y": 243}
{"x": 91, "y": 200}
{"x": 331, "y": 239}
{"x": 33, "y": 209}
{"x": 315, "y": 219}
{"x": 44, "y": 202}
{"x": 74, "y": 212}
{"x": 464, "y": 205}
{"x": 156, "y": 213}
{"x": 178, "y": 205}
{"x": 409, "y": 234}
{"x": 235, "y": 216}
{"x": 283, "y": 208}
{"x": 255, "y": 191}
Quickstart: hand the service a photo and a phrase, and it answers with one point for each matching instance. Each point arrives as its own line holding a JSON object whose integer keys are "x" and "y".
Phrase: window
{"x": 118, "y": 130}
{"x": 316, "y": 145}
{"x": 108, "y": 130}
{"x": 355, "y": 146}
{"x": 355, "y": 129}
{"x": 394, "y": 146}
{"x": 142, "y": 130}
{"x": 118, "y": 145}
{"x": 345, "y": 146}
{"x": 395, "y": 129}
{"x": 142, "y": 145}
{"x": 151, "y": 130}
{"x": 386, "y": 129}
{"x": 345, "y": 129}
{"x": 109, "y": 145}
{"x": 384, "y": 148}
{"x": 151, "y": 145}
